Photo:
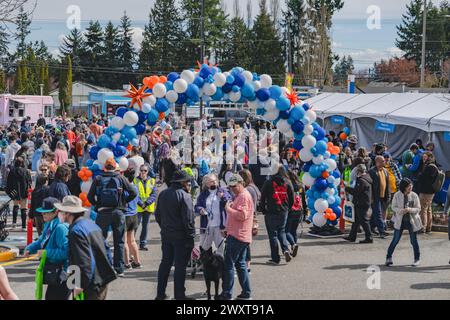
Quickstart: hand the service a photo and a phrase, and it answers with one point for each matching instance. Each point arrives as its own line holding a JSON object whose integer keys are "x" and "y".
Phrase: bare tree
{"x": 10, "y": 8}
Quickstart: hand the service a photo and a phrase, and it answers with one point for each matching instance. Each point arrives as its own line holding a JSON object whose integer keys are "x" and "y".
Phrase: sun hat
{"x": 71, "y": 204}
{"x": 48, "y": 205}
{"x": 181, "y": 176}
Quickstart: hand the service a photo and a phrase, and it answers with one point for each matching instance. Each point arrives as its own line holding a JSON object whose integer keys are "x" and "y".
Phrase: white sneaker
{"x": 416, "y": 263}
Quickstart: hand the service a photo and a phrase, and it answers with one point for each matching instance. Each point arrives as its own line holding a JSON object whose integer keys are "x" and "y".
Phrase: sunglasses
{"x": 144, "y": 170}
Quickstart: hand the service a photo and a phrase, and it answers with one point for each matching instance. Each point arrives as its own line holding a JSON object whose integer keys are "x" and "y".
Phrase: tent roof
{"x": 428, "y": 112}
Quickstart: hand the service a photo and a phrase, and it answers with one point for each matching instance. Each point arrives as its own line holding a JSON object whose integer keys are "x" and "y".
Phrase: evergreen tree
{"x": 236, "y": 51}
{"x": 4, "y": 42}
{"x": 74, "y": 46}
{"x": 33, "y": 72}
{"x": 94, "y": 52}
{"x": 342, "y": 69}
{"x": 40, "y": 50}
{"x": 2, "y": 81}
{"x": 65, "y": 84}
{"x": 160, "y": 51}
{"x": 23, "y": 23}
{"x": 43, "y": 78}
{"x": 111, "y": 56}
{"x": 215, "y": 24}
{"x": 267, "y": 47}
{"x": 21, "y": 78}
{"x": 127, "y": 53}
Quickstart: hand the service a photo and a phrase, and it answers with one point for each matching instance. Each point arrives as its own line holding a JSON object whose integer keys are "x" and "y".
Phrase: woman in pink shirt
{"x": 60, "y": 154}
{"x": 239, "y": 236}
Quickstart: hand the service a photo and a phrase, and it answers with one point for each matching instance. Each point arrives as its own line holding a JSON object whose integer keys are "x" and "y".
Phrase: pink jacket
{"x": 240, "y": 217}
{"x": 60, "y": 157}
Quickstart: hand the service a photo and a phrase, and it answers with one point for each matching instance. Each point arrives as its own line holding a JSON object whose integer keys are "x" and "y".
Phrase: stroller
{"x": 4, "y": 212}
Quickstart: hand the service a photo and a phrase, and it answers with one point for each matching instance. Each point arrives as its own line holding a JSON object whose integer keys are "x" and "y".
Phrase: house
{"x": 80, "y": 96}
{"x": 106, "y": 102}
{"x": 18, "y": 107}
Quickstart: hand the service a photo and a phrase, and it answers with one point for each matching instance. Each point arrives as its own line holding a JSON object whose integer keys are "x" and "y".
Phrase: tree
{"x": 342, "y": 69}
{"x": 44, "y": 78}
{"x": 21, "y": 78}
{"x": 160, "y": 51}
{"x": 94, "y": 51}
{"x": 65, "y": 84}
{"x": 237, "y": 39}
{"x": 267, "y": 47}
{"x": 23, "y": 23}
{"x": 398, "y": 70}
{"x": 111, "y": 56}
{"x": 127, "y": 54}
{"x": 2, "y": 81}
{"x": 215, "y": 24}
{"x": 4, "y": 43}
{"x": 74, "y": 46}
{"x": 9, "y": 9}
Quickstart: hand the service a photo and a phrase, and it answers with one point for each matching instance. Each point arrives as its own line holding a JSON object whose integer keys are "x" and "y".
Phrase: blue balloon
{"x": 306, "y": 107}
{"x": 199, "y": 82}
{"x": 205, "y": 72}
{"x": 260, "y": 111}
{"x": 121, "y": 111}
{"x": 218, "y": 95}
{"x": 336, "y": 174}
{"x": 307, "y": 166}
{"x": 192, "y": 92}
{"x": 89, "y": 163}
{"x": 298, "y": 145}
{"x": 134, "y": 142}
{"x": 140, "y": 129}
{"x": 321, "y": 147}
{"x": 169, "y": 85}
{"x": 239, "y": 80}
{"x": 173, "y": 76}
{"x": 321, "y": 134}
{"x": 112, "y": 145}
{"x": 297, "y": 113}
{"x": 263, "y": 94}
{"x": 227, "y": 88}
{"x": 110, "y": 131}
{"x": 346, "y": 131}
{"x": 248, "y": 90}
{"x": 283, "y": 104}
{"x": 299, "y": 136}
{"x": 321, "y": 184}
{"x": 129, "y": 132}
{"x": 235, "y": 88}
{"x": 93, "y": 152}
{"x": 298, "y": 127}
{"x": 162, "y": 105}
{"x": 103, "y": 141}
{"x": 275, "y": 92}
{"x": 291, "y": 121}
{"x": 123, "y": 141}
{"x": 230, "y": 79}
{"x": 142, "y": 117}
{"x": 94, "y": 168}
{"x": 284, "y": 115}
{"x": 181, "y": 98}
{"x": 153, "y": 115}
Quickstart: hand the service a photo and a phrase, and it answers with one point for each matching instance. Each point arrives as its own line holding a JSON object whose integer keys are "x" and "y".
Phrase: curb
{"x": 9, "y": 255}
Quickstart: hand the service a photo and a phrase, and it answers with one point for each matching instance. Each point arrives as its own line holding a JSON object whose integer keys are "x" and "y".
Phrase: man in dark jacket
{"x": 58, "y": 188}
{"x": 380, "y": 193}
{"x": 74, "y": 183}
{"x": 87, "y": 250}
{"x": 175, "y": 216}
{"x": 277, "y": 198}
{"x": 362, "y": 200}
{"x": 107, "y": 188}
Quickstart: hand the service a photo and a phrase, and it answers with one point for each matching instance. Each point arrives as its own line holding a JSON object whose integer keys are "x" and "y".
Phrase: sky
{"x": 350, "y": 34}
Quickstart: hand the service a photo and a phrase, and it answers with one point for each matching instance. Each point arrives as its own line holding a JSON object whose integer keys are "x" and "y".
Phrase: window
{"x": 48, "y": 111}
{"x": 16, "y": 109}
{"x": 219, "y": 114}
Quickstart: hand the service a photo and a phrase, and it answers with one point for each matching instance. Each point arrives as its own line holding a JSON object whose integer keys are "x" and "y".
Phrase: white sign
{"x": 193, "y": 112}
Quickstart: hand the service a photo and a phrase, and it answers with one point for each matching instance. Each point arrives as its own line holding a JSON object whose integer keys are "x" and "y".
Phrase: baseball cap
{"x": 235, "y": 180}
{"x": 111, "y": 164}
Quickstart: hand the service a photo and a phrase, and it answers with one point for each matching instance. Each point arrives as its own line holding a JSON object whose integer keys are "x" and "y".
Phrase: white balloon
{"x": 327, "y": 155}
{"x": 306, "y": 155}
{"x": 99, "y": 164}
{"x": 247, "y": 75}
{"x": 321, "y": 205}
{"x": 308, "y": 129}
{"x": 272, "y": 115}
{"x": 220, "y": 79}
{"x": 235, "y": 96}
{"x": 86, "y": 186}
{"x": 257, "y": 85}
{"x": 270, "y": 105}
{"x": 172, "y": 96}
{"x": 188, "y": 76}
{"x": 283, "y": 126}
{"x": 331, "y": 200}
{"x": 318, "y": 160}
{"x": 159, "y": 90}
{"x": 331, "y": 179}
{"x": 209, "y": 89}
{"x": 116, "y": 136}
{"x": 284, "y": 90}
{"x": 131, "y": 118}
{"x": 146, "y": 108}
{"x": 266, "y": 81}
{"x": 330, "y": 191}
{"x": 180, "y": 86}
{"x": 331, "y": 164}
{"x": 123, "y": 164}
{"x": 337, "y": 182}
{"x": 105, "y": 154}
{"x": 308, "y": 180}
{"x": 308, "y": 141}
{"x": 253, "y": 104}
{"x": 117, "y": 122}
{"x": 311, "y": 115}
{"x": 319, "y": 220}
{"x": 149, "y": 100}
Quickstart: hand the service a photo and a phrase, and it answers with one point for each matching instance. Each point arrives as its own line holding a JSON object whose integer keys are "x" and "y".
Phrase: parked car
{"x": 224, "y": 115}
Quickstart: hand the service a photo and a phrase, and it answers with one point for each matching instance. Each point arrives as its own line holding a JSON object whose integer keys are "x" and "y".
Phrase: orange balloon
{"x": 129, "y": 147}
{"x": 83, "y": 196}
{"x": 330, "y": 145}
{"x": 343, "y": 136}
{"x": 336, "y": 150}
{"x": 86, "y": 203}
{"x": 146, "y": 81}
{"x": 161, "y": 116}
{"x": 325, "y": 175}
{"x": 88, "y": 173}
{"x": 329, "y": 211}
{"x": 162, "y": 79}
{"x": 333, "y": 217}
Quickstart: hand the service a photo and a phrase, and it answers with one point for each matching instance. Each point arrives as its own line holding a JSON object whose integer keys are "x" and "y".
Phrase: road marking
{"x": 18, "y": 261}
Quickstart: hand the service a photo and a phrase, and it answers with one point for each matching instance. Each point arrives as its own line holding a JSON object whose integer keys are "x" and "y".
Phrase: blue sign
{"x": 337, "y": 120}
{"x": 447, "y": 136}
{"x": 386, "y": 127}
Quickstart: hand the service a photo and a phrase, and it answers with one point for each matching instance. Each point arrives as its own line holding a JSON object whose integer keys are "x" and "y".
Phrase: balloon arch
{"x": 292, "y": 117}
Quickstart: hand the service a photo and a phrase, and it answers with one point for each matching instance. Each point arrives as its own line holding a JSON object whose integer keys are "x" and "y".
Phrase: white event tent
{"x": 397, "y": 119}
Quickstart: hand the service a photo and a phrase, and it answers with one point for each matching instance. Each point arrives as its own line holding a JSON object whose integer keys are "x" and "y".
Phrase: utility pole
{"x": 424, "y": 39}
{"x": 289, "y": 48}
{"x": 202, "y": 48}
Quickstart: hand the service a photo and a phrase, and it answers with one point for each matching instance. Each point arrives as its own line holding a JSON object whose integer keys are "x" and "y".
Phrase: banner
{"x": 338, "y": 120}
{"x": 386, "y": 127}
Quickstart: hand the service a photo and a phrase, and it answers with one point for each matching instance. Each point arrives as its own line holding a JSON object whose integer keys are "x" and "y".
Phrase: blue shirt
{"x": 132, "y": 205}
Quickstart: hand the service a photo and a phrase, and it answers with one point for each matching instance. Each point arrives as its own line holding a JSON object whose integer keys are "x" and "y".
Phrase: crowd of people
{"x": 227, "y": 196}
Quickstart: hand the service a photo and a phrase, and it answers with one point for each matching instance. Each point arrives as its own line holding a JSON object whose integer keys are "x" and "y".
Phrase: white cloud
{"x": 335, "y": 44}
{"x": 138, "y": 36}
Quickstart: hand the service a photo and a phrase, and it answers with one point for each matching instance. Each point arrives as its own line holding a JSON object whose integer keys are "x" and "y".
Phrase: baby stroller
{"x": 4, "y": 212}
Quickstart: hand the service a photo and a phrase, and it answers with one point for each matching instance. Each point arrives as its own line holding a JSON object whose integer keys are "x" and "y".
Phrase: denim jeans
{"x": 291, "y": 228}
{"x": 144, "y": 218}
{"x": 176, "y": 252}
{"x": 116, "y": 220}
{"x": 276, "y": 230}
{"x": 377, "y": 220}
{"x": 235, "y": 255}
{"x": 397, "y": 236}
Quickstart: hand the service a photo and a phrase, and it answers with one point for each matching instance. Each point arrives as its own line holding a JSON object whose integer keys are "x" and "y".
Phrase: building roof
{"x": 85, "y": 88}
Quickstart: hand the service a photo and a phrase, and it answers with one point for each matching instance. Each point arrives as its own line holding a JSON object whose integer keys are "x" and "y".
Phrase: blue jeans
{"x": 235, "y": 254}
{"x": 377, "y": 220}
{"x": 276, "y": 230}
{"x": 178, "y": 253}
{"x": 398, "y": 236}
{"x": 144, "y": 218}
{"x": 291, "y": 228}
{"x": 115, "y": 220}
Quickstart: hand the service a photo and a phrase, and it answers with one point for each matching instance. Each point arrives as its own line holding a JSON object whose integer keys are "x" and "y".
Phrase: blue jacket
{"x": 415, "y": 167}
{"x": 201, "y": 203}
{"x": 58, "y": 244}
{"x": 58, "y": 190}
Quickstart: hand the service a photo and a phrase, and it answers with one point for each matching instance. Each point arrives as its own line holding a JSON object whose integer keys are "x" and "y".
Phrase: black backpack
{"x": 109, "y": 191}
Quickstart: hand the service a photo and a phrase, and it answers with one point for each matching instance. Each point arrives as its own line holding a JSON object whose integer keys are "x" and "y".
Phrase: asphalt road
{"x": 324, "y": 269}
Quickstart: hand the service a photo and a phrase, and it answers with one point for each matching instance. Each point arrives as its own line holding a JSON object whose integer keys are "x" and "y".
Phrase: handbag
{"x": 54, "y": 274}
{"x": 349, "y": 211}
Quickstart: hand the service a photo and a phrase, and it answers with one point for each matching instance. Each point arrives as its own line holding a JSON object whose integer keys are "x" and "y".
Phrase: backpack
{"x": 439, "y": 181}
{"x": 108, "y": 191}
{"x": 297, "y": 207}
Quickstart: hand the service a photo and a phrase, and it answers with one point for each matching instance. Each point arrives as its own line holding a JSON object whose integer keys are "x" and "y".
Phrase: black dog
{"x": 213, "y": 265}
